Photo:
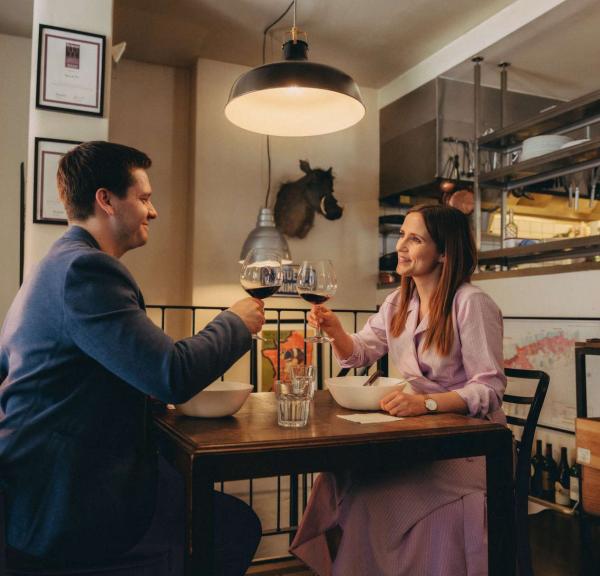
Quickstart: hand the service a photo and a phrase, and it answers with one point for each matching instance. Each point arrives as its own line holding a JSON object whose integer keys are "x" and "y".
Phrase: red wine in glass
{"x": 314, "y": 297}
{"x": 261, "y": 291}
{"x": 316, "y": 283}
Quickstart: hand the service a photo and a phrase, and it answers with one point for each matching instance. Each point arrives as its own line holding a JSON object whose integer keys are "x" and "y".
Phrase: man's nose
{"x": 152, "y": 213}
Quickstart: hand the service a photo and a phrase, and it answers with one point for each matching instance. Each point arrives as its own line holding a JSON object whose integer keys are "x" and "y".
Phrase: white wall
{"x": 15, "y": 60}
{"x": 150, "y": 108}
{"x": 231, "y": 182}
{"x": 90, "y": 16}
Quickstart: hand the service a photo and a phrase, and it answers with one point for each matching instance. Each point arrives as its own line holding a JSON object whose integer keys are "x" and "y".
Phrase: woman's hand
{"x": 398, "y": 403}
{"x": 324, "y": 317}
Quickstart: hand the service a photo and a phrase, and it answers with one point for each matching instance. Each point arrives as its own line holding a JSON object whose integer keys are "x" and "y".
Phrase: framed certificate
{"x": 47, "y": 207}
{"x": 70, "y": 71}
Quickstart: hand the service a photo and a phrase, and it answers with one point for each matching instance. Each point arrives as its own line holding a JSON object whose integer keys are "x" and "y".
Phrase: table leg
{"x": 501, "y": 507}
{"x": 201, "y": 561}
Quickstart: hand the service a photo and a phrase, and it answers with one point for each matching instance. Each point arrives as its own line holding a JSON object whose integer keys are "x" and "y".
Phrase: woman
{"x": 430, "y": 518}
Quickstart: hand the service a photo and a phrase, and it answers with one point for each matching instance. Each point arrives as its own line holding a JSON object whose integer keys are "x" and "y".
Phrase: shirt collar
{"x": 78, "y": 233}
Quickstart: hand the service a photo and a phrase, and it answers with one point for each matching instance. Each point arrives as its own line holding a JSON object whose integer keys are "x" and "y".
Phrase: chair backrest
{"x": 535, "y": 402}
{"x": 524, "y": 445}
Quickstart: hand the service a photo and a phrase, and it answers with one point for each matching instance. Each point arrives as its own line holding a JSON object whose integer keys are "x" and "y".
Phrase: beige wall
{"x": 150, "y": 110}
{"x": 15, "y": 61}
{"x": 230, "y": 186}
{"x": 91, "y": 16}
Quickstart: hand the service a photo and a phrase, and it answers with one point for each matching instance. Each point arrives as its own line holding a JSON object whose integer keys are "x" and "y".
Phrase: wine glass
{"x": 262, "y": 274}
{"x": 316, "y": 283}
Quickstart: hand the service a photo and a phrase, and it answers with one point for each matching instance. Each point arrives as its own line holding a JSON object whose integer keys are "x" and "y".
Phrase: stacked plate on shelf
{"x": 540, "y": 145}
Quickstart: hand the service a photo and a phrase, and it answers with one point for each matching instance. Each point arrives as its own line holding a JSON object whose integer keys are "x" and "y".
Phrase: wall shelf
{"x": 570, "y": 113}
{"x": 543, "y": 252}
{"x": 568, "y": 510}
{"x": 574, "y": 158}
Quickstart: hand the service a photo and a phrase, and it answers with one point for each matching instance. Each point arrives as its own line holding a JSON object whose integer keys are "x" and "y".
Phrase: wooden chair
{"x": 524, "y": 445}
{"x": 156, "y": 566}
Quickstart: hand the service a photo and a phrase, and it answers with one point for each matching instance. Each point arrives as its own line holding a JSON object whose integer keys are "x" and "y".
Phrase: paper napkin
{"x": 369, "y": 418}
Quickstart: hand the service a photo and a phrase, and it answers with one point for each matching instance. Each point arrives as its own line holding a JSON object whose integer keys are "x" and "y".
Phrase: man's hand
{"x": 251, "y": 311}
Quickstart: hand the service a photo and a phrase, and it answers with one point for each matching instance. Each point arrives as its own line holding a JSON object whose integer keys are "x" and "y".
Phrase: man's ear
{"x": 104, "y": 199}
{"x": 442, "y": 258}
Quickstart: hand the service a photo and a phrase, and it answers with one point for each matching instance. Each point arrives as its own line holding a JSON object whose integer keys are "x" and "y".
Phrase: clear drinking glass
{"x": 316, "y": 283}
{"x": 293, "y": 403}
{"x": 301, "y": 375}
{"x": 262, "y": 274}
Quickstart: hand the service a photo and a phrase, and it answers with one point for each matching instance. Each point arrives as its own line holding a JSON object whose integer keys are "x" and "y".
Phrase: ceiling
{"x": 556, "y": 55}
{"x": 375, "y": 41}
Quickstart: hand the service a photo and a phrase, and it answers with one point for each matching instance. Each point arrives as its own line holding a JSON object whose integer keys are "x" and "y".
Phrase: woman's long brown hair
{"x": 449, "y": 228}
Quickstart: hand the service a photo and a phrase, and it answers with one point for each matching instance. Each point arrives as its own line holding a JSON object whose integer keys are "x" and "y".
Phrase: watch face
{"x": 431, "y": 404}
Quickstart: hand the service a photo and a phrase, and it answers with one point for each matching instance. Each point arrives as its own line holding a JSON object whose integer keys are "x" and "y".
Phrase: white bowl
{"x": 217, "y": 400}
{"x": 540, "y": 145}
{"x": 349, "y": 392}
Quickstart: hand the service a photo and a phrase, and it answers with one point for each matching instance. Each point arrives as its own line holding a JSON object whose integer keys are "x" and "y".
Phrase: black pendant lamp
{"x": 294, "y": 97}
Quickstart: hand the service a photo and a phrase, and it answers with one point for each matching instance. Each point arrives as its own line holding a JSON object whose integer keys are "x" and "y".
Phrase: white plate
{"x": 574, "y": 143}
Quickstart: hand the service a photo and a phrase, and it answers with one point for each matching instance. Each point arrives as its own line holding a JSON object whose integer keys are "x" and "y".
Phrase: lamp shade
{"x": 266, "y": 235}
{"x": 294, "y": 97}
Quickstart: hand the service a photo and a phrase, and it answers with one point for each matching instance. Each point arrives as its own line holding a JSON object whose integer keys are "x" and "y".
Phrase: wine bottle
{"x": 574, "y": 473}
{"x": 537, "y": 463}
{"x": 562, "y": 483}
{"x": 549, "y": 474}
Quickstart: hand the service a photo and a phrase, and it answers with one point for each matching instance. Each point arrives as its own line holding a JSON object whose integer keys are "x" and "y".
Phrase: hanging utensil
{"x": 593, "y": 182}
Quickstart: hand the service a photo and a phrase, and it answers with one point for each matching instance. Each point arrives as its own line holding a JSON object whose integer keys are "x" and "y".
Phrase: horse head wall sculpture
{"x": 298, "y": 201}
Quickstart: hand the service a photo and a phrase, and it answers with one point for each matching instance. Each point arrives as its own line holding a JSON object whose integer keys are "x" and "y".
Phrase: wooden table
{"x": 251, "y": 444}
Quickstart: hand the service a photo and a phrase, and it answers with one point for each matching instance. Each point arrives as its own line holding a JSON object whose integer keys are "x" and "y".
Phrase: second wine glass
{"x": 261, "y": 275}
{"x": 316, "y": 283}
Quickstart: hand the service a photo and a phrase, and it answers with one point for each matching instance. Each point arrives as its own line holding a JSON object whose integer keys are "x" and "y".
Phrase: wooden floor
{"x": 556, "y": 546}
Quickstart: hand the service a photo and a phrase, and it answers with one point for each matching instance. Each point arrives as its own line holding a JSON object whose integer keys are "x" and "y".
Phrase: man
{"x": 78, "y": 360}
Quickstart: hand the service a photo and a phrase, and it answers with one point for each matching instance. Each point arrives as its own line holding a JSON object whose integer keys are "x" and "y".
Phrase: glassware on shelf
{"x": 511, "y": 229}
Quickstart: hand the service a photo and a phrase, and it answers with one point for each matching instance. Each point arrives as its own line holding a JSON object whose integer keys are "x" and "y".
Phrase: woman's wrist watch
{"x": 430, "y": 404}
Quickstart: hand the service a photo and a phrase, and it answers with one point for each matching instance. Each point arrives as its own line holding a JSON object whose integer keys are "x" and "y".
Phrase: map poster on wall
{"x": 549, "y": 345}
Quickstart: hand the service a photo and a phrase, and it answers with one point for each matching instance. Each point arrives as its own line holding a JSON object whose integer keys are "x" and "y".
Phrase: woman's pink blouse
{"x": 474, "y": 368}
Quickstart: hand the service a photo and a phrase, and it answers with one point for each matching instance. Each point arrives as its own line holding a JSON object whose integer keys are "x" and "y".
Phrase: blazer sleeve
{"x": 481, "y": 331}
{"x": 103, "y": 316}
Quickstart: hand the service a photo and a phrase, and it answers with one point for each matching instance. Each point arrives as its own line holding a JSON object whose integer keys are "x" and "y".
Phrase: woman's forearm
{"x": 450, "y": 402}
{"x": 343, "y": 345}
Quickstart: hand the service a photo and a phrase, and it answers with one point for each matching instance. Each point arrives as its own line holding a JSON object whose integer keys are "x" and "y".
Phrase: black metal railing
{"x": 298, "y": 486}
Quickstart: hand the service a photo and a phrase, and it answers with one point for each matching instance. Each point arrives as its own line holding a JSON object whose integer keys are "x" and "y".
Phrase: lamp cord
{"x": 264, "y": 45}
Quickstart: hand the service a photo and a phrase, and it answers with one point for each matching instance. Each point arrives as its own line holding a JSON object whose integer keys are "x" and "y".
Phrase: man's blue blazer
{"x": 78, "y": 360}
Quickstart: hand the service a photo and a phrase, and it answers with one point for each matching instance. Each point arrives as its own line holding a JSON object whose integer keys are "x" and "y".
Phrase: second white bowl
{"x": 217, "y": 400}
{"x": 349, "y": 392}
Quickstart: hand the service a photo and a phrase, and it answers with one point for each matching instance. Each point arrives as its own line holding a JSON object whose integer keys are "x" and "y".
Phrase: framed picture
{"x": 293, "y": 350}
{"x": 290, "y": 275}
{"x": 47, "y": 207}
{"x": 70, "y": 71}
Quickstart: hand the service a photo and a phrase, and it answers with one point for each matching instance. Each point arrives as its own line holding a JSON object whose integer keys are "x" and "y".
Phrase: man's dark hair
{"x": 93, "y": 165}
